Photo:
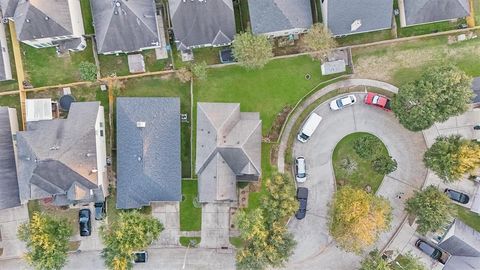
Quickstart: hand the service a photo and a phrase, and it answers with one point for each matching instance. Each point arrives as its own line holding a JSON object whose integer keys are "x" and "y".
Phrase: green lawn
{"x": 365, "y": 37}
{"x": 255, "y": 198}
{"x": 476, "y": 8}
{"x": 12, "y": 101}
{"x": 110, "y": 64}
{"x": 209, "y": 55}
{"x": 364, "y": 174}
{"x": 190, "y": 215}
{"x": 87, "y": 16}
{"x": 468, "y": 217}
{"x": 70, "y": 214}
{"x": 185, "y": 241}
{"x": 151, "y": 62}
{"x": 428, "y": 28}
{"x": 237, "y": 242}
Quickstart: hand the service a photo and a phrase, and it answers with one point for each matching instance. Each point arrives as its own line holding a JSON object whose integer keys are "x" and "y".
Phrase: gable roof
{"x": 126, "y": 26}
{"x": 53, "y": 155}
{"x": 149, "y": 165}
{"x": 197, "y": 23}
{"x": 36, "y": 19}
{"x": 463, "y": 243}
{"x": 8, "y": 7}
{"x": 373, "y": 15}
{"x": 228, "y": 148}
{"x": 425, "y": 11}
{"x": 279, "y": 15}
{"x": 9, "y": 194}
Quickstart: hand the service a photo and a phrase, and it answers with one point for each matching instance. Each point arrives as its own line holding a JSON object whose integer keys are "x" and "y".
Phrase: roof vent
{"x": 27, "y": 20}
{"x": 47, "y": 18}
{"x": 117, "y": 4}
{"x": 141, "y": 124}
{"x": 355, "y": 25}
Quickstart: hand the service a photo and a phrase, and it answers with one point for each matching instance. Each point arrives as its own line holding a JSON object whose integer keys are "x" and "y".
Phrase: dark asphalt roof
{"x": 425, "y": 11}
{"x": 8, "y": 7}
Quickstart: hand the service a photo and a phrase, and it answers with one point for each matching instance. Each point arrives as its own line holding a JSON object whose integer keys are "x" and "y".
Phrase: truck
{"x": 309, "y": 127}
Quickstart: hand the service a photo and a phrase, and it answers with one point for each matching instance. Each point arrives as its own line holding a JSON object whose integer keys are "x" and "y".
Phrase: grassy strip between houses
{"x": 237, "y": 242}
{"x": 190, "y": 211}
{"x": 468, "y": 217}
{"x": 87, "y": 17}
{"x": 255, "y": 198}
{"x": 190, "y": 241}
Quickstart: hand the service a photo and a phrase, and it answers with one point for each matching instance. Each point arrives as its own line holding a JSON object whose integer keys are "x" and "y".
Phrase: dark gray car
{"x": 457, "y": 196}
{"x": 302, "y": 197}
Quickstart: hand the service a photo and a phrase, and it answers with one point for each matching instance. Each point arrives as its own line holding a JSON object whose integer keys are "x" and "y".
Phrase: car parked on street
{"x": 457, "y": 196}
{"x": 140, "y": 257}
{"x": 300, "y": 169}
{"x": 302, "y": 197}
{"x": 85, "y": 222}
{"x": 343, "y": 102}
{"x": 430, "y": 250}
{"x": 100, "y": 210}
{"x": 378, "y": 100}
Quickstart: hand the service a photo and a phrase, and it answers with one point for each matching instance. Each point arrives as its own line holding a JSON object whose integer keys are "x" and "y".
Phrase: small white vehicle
{"x": 342, "y": 102}
{"x": 300, "y": 170}
{"x": 309, "y": 127}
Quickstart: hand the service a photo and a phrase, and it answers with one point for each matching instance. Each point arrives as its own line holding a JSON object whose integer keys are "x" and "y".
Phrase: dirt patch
{"x": 274, "y": 155}
{"x": 277, "y": 124}
{"x": 281, "y": 48}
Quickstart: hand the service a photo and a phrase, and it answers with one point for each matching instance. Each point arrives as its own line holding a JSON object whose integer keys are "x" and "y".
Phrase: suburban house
{"x": 123, "y": 26}
{"x": 346, "y": 17}
{"x": 199, "y": 23}
{"x": 228, "y": 150}
{"x": 275, "y": 18}
{"x": 8, "y": 8}
{"x": 148, "y": 151}
{"x": 9, "y": 194}
{"x": 5, "y": 67}
{"x": 47, "y": 23}
{"x": 64, "y": 159}
{"x": 413, "y": 12}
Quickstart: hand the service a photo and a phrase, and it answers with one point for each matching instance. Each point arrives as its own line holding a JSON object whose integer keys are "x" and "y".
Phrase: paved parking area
{"x": 169, "y": 215}
{"x": 94, "y": 241}
{"x": 215, "y": 225}
{"x": 10, "y": 220}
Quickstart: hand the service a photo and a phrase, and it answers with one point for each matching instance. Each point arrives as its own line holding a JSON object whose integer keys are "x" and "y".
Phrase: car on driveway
{"x": 377, "y": 100}
{"x": 430, "y": 250}
{"x": 302, "y": 197}
{"x": 100, "y": 210}
{"x": 85, "y": 222}
{"x": 300, "y": 169}
{"x": 457, "y": 196}
{"x": 140, "y": 257}
{"x": 343, "y": 102}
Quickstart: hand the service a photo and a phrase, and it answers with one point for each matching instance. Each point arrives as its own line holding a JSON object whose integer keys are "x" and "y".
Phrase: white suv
{"x": 300, "y": 169}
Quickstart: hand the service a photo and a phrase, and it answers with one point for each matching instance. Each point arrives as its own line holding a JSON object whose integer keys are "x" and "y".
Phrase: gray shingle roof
{"x": 42, "y": 19}
{"x": 425, "y": 11}
{"x": 228, "y": 149}
{"x": 9, "y": 194}
{"x": 5, "y": 67}
{"x": 463, "y": 243}
{"x": 279, "y": 15}
{"x": 373, "y": 14}
{"x": 148, "y": 158}
{"x": 197, "y": 23}
{"x": 126, "y": 26}
{"x": 55, "y": 154}
{"x": 8, "y": 7}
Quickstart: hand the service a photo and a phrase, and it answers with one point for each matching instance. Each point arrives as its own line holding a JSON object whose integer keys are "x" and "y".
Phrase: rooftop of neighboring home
{"x": 125, "y": 26}
{"x": 148, "y": 151}
{"x": 279, "y": 15}
{"x": 228, "y": 150}
{"x": 200, "y": 23}
{"x": 8, "y": 7}
{"x": 5, "y": 67}
{"x": 427, "y": 11}
{"x": 9, "y": 194}
{"x": 463, "y": 244}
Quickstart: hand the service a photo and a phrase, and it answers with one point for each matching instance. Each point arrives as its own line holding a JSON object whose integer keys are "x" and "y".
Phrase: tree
{"x": 184, "y": 75}
{"x": 47, "y": 241}
{"x": 199, "y": 70}
{"x": 367, "y": 146}
{"x": 384, "y": 164}
{"x": 132, "y": 231}
{"x": 320, "y": 40}
{"x": 374, "y": 261}
{"x": 88, "y": 71}
{"x": 252, "y": 52}
{"x": 357, "y": 218}
{"x": 452, "y": 157}
{"x": 440, "y": 93}
{"x": 432, "y": 208}
{"x": 280, "y": 198}
{"x": 410, "y": 262}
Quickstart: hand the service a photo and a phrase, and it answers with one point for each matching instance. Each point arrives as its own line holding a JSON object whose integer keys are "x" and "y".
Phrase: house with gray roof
{"x": 9, "y": 193}
{"x": 8, "y": 8}
{"x": 413, "y": 12}
{"x": 64, "y": 159}
{"x": 275, "y": 18}
{"x": 199, "y": 23}
{"x": 148, "y": 151}
{"x": 47, "y": 23}
{"x": 123, "y": 26}
{"x": 228, "y": 150}
{"x": 347, "y": 17}
{"x": 5, "y": 67}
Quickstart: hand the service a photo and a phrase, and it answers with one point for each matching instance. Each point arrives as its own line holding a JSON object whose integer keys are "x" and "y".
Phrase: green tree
{"x": 452, "y": 157}
{"x": 88, "y": 71}
{"x": 408, "y": 261}
{"x": 252, "y": 52}
{"x": 440, "y": 93}
{"x": 199, "y": 70}
{"x": 320, "y": 40}
{"x": 47, "y": 240}
{"x": 367, "y": 146}
{"x": 432, "y": 208}
{"x": 132, "y": 231}
{"x": 374, "y": 261}
{"x": 280, "y": 198}
{"x": 357, "y": 218}
{"x": 384, "y": 164}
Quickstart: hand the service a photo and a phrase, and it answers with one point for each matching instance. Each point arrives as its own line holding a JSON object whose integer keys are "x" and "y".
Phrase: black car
{"x": 429, "y": 249}
{"x": 457, "y": 196}
{"x": 99, "y": 210}
{"x": 85, "y": 222}
{"x": 302, "y": 197}
{"x": 140, "y": 257}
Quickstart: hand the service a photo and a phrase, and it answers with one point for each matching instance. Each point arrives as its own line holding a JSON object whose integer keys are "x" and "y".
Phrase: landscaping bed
{"x": 70, "y": 214}
{"x": 185, "y": 241}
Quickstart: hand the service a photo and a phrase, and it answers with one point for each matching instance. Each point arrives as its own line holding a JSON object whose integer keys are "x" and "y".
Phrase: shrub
{"x": 88, "y": 71}
{"x": 384, "y": 164}
{"x": 367, "y": 147}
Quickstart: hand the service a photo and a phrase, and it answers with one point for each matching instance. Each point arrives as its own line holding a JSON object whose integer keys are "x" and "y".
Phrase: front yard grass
{"x": 70, "y": 214}
{"x": 190, "y": 211}
{"x": 468, "y": 217}
{"x": 185, "y": 241}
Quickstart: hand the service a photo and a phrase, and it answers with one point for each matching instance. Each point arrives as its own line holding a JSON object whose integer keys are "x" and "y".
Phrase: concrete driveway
{"x": 215, "y": 225}
{"x": 315, "y": 246}
{"x": 10, "y": 220}
{"x": 169, "y": 215}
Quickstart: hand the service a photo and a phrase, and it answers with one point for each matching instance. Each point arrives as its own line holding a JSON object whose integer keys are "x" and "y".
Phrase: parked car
{"x": 85, "y": 222}
{"x": 343, "y": 102}
{"x": 429, "y": 249}
{"x": 302, "y": 197}
{"x": 378, "y": 101}
{"x": 457, "y": 196}
{"x": 140, "y": 257}
{"x": 309, "y": 127}
{"x": 300, "y": 169}
{"x": 100, "y": 210}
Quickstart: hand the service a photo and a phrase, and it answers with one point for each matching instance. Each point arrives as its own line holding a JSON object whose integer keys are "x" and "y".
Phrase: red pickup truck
{"x": 377, "y": 100}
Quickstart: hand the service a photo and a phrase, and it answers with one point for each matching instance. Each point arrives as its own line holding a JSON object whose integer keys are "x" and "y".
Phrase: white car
{"x": 300, "y": 170}
{"x": 343, "y": 102}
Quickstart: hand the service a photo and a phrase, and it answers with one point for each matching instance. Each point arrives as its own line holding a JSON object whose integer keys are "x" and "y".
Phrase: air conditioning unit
{"x": 141, "y": 124}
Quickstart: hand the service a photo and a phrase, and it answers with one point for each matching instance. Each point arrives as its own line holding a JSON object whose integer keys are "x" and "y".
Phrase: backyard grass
{"x": 363, "y": 175}
{"x": 364, "y": 37}
{"x": 476, "y": 9}
{"x": 87, "y": 17}
{"x": 185, "y": 241}
{"x": 190, "y": 215}
{"x": 71, "y": 214}
{"x": 468, "y": 217}
{"x": 151, "y": 62}
{"x": 428, "y": 28}
{"x": 208, "y": 55}
{"x": 12, "y": 101}
{"x": 113, "y": 64}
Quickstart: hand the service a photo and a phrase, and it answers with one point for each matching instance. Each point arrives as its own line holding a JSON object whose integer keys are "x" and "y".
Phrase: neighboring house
{"x": 39, "y": 109}
{"x": 8, "y": 8}
{"x": 200, "y": 23}
{"x": 50, "y": 23}
{"x": 9, "y": 194}
{"x": 413, "y": 12}
{"x": 64, "y": 159}
{"x": 5, "y": 67}
{"x": 148, "y": 151}
{"x": 123, "y": 26}
{"x": 346, "y": 17}
{"x": 228, "y": 150}
{"x": 275, "y": 18}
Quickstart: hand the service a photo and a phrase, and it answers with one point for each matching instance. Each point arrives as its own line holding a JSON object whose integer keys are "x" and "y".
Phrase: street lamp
{"x": 190, "y": 243}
